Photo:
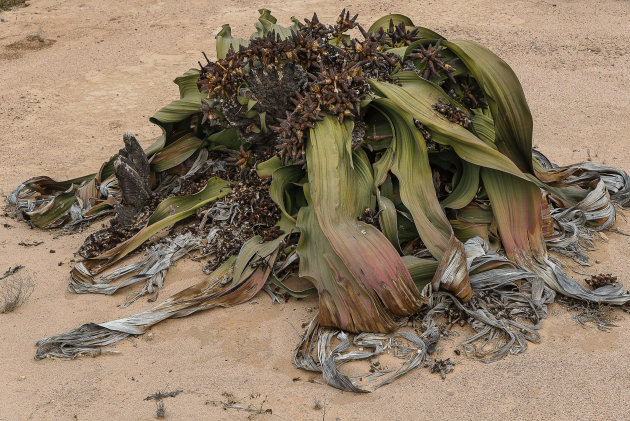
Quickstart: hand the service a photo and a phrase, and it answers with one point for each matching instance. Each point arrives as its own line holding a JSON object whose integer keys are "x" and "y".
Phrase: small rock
{"x": 150, "y": 336}
{"x": 52, "y": 251}
{"x": 21, "y": 378}
{"x": 597, "y": 261}
{"x": 60, "y": 264}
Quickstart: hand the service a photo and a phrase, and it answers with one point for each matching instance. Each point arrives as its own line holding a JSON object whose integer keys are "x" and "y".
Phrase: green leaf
{"x": 267, "y": 23}
{"x": 383, "y": 22}
{"x": 294, "y": 293}
{"x": 505, "y": 96}
{"x": 397, "y": 19}
{"x": 214, "y": 189}
{"x": 366, "y": 270}
{"x": 365, "y": 181}
{"x": 388, "y": 220}
{"x": 54, "y": 213}
{"x": 517, "y": 209}
{"x": 283, "y": 179}
{"x": 225, "y": 41}
{"x": 188, "y": 104}
{"x": 176, "y": 153}
{"x": 466, "y": 188}
{"x": 266, "y": 168}
{"x": 229, "y": 138}
{"x": 417, "y": 97}
{"x": 411, "y": 167}
{"x": 421, "y": 270}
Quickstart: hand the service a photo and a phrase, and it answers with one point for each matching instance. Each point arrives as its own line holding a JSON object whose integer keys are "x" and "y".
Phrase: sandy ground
{"x": 104, "y": 67}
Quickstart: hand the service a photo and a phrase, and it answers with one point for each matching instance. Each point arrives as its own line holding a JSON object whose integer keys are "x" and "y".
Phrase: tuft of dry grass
{"x": 14, "y": 292}
{"x": 12, "y": 4}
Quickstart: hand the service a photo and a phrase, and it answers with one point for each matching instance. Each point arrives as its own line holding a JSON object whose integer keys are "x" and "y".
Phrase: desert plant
{"x": 395, "y": 172}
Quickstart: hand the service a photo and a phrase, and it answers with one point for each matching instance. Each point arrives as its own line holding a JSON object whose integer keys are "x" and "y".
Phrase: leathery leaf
{"x": 411, "y": 166}
{"x": 505, "y": 96}
{"x": 360, "y": 277}
{"x": 417, "y": 97}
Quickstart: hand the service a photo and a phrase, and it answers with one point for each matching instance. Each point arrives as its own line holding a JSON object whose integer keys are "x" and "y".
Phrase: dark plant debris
{"x": 11, "y": 271}
{"x": 601, "y": 316}
{"x": 231, "y": 403}
{"x": 12, "y": 4}
{"x": 33, "y": 244}
{"x": 160, "y": 394}
{"x": 603, "y": 279}
{"x": 443, "y": 367}
{"x": 453, "y": 114}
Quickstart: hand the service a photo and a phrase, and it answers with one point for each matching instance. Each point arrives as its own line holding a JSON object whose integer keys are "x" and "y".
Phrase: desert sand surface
{"x": 75, "y": 75}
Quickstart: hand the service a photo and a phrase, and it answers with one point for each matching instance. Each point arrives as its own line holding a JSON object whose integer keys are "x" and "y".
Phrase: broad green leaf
{"x": 412, "y": 169}
{"x": 421, "y": 270}
{"x": 225, "y": 41}
{"x": 364, "y": 262}
{"x": 465, "y": 189}
{"x": 266, "y": 168}
{"x": 229, "y": 138}
{"x": 483, "y": 126}
{"x": 294, "y": 293}
{"x": 383, "y": 22}
{"x": 388, "y": 220}
{"x": 214, "y": 189}
{"x": 176, "y": 153}
{"x": 517, "y": 209}
{"x": 505, "y": 96}
{"x": 53, "y": 213}
{"x": 283, "y": 179}
{"x": 188, "y": 104}
{"x": 365, "y": 181}
{"x": 417, "y": 97}
{"x": 411, "y": 166}
{"x": 267, "y": 23}
{"x": 254, "y": 250}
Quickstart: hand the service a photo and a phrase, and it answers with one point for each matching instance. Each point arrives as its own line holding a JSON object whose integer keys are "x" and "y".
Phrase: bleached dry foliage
{"x": 14, "y": 291}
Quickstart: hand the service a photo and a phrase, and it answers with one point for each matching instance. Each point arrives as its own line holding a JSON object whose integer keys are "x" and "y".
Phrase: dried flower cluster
{"x": 431, "y": 62}
{"x": 246, "y": 211}
{"x": 295, "y": 81}
{"x": 453, "y": 114}
{"x": 603, "y": 279}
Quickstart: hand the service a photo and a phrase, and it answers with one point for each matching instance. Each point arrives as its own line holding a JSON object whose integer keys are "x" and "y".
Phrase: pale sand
{"x": 64, "y": 107}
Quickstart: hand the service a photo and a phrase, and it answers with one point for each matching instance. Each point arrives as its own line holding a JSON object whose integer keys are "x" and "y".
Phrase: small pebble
{"x": 22, "y": 378}
{"x": 150, "y": 336}
{"x": 52, "y": 251}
